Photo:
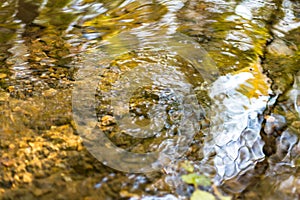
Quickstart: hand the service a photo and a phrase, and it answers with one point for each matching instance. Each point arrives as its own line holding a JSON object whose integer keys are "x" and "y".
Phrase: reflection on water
{"x": 146, "y": 90}
{"x": 290, "y": 20}
{"x": 236, "y": 123}
{"x": 249, "y": 125}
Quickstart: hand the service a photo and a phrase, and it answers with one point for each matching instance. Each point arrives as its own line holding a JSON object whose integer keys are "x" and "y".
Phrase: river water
{"x": 127, "y": 99}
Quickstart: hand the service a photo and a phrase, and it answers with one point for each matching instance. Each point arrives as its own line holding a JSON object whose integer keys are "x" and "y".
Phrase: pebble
{"x": 53, "y": 75}
{"x": 23, "y": 144}
{"x": 27, "y": 82}
{"x": 296, "y": 124}
{"x": 27, "y": 177}
{"x": 11, "y": 88}
{"x": 20, "y": 110}
{"x": 11, "y": 146}
{"x": 66, "y": 178}
{"x": 7, "y": 162}
{"x": 2, "y": 75}
{"x": 44, "y": 76}
{"x": 40, "y": 173}
{"x": 49, "y": 93}
{"x": 126, "y": 194}
{"x": 39, "y": 192}
{"x": 4, "y": 96}
{"x": 278, "y": 47}
{"x": 107, "y": 120}
{"x": 61, "y": 165}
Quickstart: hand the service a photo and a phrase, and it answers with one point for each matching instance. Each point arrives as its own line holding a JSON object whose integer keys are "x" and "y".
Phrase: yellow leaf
{"x": 196, "y": 179}
{"x": 202, "y": 195}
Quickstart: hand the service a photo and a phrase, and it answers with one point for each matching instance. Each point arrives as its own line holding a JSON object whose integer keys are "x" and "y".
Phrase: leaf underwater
{"x": 202, "y": 195}
{"x": 196, "y": 179}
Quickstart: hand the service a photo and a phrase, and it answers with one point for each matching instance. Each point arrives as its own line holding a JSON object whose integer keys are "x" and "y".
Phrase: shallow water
{"x": 111, "y": 99}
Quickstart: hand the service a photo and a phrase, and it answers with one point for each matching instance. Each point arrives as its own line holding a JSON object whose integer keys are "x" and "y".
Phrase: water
{"x": 93, "y": 91}
{"x": 148, "y": 90}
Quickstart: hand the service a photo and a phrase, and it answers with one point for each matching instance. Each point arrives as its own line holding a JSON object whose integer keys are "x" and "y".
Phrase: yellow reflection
{"x": 256, "y": 86}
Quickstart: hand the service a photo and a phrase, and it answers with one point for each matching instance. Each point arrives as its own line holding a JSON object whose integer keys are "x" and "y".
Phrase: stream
{"x": 150, "y": 100}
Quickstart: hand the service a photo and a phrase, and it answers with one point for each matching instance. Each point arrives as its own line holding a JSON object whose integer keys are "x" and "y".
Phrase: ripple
{"x": 147, "y": 86}
{"x": 236, "y": 124}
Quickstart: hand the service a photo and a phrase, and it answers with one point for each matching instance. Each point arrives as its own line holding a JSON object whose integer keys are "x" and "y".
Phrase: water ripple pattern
{"x": 172, "y": 115}
{"x": 236, "y": 121}
{"x": 174, "y": 89}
